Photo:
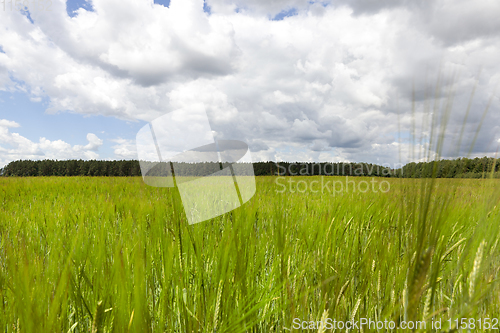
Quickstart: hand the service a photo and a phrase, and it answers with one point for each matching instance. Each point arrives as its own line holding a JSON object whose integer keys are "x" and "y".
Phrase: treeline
{"x": 28, "y": 168}
{"x": 163, "y": 169}
{"x": 321, "y": 169}
{"x": 458, "y": 168}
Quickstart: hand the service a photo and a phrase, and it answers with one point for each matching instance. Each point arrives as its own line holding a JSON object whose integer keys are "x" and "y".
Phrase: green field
{"x": 82, "y": 254}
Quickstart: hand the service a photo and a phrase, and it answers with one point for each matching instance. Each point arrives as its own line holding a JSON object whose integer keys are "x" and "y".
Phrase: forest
{"x": 458, "y": 168}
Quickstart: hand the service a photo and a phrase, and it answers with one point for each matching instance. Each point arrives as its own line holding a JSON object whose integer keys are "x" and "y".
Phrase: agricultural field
{"x": 110, "y": 254}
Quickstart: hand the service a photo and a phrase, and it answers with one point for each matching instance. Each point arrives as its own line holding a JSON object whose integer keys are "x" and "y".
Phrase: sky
{"x": 297, "y": 80}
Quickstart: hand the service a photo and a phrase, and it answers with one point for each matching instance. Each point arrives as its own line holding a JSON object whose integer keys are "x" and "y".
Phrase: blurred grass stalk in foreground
{"x": 426, "y": 212}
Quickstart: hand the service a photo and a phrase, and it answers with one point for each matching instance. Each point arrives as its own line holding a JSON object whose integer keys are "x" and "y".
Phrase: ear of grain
{"x": 98, "y": 324}
{"x": 475, "y": 269}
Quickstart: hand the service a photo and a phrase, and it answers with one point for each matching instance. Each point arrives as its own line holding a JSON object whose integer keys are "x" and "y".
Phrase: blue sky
{"x": 70, "y": 127}
{"x": 73, "y": 5}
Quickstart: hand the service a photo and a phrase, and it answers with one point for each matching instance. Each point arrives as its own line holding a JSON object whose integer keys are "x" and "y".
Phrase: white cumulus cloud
{"x": 14, "y": 146}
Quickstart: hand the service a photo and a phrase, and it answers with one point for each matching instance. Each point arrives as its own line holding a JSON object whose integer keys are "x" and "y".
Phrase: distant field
{"x": 92, "y": 254}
